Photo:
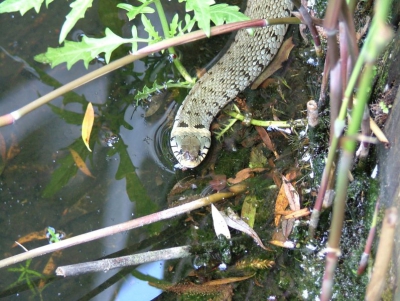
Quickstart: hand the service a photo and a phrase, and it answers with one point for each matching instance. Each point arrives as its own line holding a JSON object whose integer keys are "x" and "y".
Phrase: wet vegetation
{"x": 72, "y": 192}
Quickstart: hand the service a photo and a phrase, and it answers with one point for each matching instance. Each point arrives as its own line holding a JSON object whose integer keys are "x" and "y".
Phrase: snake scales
{"x": 242, "y": 63}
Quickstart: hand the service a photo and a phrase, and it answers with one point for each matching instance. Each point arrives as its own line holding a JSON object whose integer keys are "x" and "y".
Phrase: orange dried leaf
{"x": 87, "y": 125}
{"x": 33, "y": 236}
{"x": 284, "y": 244}
{"x": 297, "y": 214}
{"x": 244, "y": 174}
{"x": 80, "y": 163}
{"x": 280, "y": 204}
{"x": 50, "y": 267}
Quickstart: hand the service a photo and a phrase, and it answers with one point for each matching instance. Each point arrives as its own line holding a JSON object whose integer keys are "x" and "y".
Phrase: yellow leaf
{"x": 80, "y": 163}
{"x": 87, "y": 125}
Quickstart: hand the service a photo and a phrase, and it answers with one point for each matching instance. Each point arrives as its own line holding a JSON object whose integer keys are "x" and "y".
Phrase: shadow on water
{"x": 132, "y": 170}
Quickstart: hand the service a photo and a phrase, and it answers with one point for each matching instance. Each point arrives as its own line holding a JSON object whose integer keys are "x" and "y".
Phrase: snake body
{"x": 246, "y": 58}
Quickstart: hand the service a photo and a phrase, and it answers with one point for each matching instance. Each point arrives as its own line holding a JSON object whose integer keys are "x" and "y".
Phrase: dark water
{"x": 40, "y": 185}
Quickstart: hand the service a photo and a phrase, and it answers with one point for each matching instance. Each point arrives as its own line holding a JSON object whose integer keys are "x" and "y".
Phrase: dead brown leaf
{"x": 267, "y": 140}
{"x": 80, "y": 163}
{"x": 276, "y": 64}
{"x": 245, "y": 174}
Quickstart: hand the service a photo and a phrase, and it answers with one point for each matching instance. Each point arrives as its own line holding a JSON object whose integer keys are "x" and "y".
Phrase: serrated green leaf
{"x": 201, "y": 13}
{"x": 149, "y": 28}
{"x": 22, "y": 6}
{"x": 85, "y": 50}
{"x": 224, "y": 13}
{"x": 134, "y": 36}
{"x": 173, "y": 26}
{"x": 48, "y": 2}
{"x": 77, "y": 12}
{"x": 133, "y": 11}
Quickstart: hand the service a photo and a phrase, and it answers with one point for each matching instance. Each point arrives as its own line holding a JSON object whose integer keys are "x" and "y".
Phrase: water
{"x": 40, "y": 185}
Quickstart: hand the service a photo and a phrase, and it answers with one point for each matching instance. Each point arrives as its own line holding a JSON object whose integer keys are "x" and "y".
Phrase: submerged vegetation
{"x": 285, "y": 163}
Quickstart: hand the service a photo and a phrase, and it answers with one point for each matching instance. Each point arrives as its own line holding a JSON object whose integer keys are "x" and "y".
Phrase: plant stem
{"x": 164, "y": 24}
{"x": 266, "y": 123}
{"x": 187, "y": 38}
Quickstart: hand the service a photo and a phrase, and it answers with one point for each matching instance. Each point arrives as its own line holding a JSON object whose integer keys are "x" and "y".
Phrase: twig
{"x": 124, "y": 261}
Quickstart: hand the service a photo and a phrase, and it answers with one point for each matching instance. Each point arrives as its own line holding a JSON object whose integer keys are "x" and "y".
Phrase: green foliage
{"x": 156, "y": 88}
{"x": 77, "y": 12}
{"x": 22, "y": 6}
{"x": 86, "y": 50}
{"x": 133, "y": 11}
{"x": 27, "y": 276}
{"x": 204, "y": 12}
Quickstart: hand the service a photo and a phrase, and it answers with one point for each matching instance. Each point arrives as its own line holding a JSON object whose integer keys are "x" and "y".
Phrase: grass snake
{"x": 245, "y": 59}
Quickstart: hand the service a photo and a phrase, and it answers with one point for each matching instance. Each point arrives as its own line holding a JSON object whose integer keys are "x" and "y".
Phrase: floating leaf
{"x": 87, "y": 125}
{"x": 220, "y": 226}
{"x": 80, "y": 163}
{"x": 77, "y": 12}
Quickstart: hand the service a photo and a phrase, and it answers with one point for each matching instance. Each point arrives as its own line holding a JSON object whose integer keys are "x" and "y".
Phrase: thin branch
{"x": 123, "y": 261}
{"x": 187, "y": 38}
{"x": 129, "y": 225}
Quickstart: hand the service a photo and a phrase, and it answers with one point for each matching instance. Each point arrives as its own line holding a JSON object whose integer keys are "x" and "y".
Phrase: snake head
{"x": 190, "y": 147}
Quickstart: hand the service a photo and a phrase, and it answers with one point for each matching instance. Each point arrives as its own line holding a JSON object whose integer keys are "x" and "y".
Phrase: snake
{"x": 245, "y": 59}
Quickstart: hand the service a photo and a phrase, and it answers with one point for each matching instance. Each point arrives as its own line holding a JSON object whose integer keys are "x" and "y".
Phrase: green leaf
{"x": 133, "y": 11}
{"x": 201, "y": 13}
{"x": 224, "y": 13}
{"x": 22, "y": 6}
{"x": 149, "y": 28}
{"x": 77, "y": 12}
{"x": 173, "y": 26}
{"x": 85, "y": 50}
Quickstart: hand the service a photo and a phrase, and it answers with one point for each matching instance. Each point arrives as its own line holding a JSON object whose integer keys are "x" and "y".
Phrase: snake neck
{"x": 246, "y": 58}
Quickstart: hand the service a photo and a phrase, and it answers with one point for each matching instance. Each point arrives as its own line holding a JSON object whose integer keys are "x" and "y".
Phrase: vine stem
{"x": 164, "y": 24}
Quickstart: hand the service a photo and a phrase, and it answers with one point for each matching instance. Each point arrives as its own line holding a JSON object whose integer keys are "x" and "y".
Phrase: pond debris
{"x": 219, "y": 292}
{"x": 87, "y": 125}
{"x": 235, "y": 222}
{"x": 80, "y": 163}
